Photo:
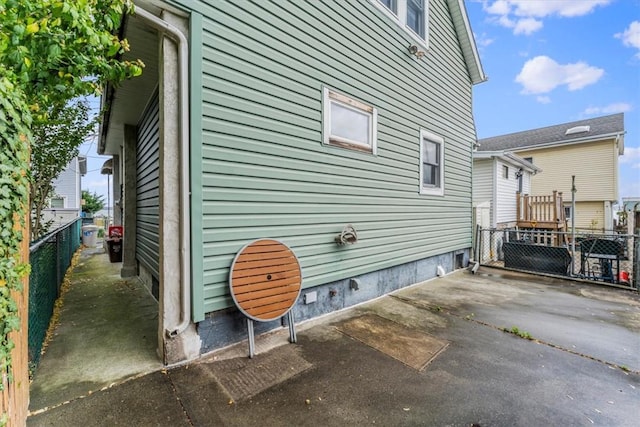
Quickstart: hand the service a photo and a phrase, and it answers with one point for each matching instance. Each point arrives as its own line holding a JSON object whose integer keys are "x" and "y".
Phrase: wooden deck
{"x": 540, "y": 212}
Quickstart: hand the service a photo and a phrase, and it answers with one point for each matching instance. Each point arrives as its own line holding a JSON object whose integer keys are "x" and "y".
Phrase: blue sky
{"x": 556, "y": 61}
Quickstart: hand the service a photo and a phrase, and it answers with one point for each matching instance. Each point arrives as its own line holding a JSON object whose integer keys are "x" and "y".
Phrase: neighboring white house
{"x": 497, "y": 177}
{"x": 66, "y": 203}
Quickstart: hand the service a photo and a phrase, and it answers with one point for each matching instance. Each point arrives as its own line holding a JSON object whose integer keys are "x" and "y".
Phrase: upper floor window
{"x": 391, "y": 5}
{"x": 505, "y": 171}
{"x": 415, "y": 16}
{"x": 348, "y": 123}
{"x": 410, "y": 14}
{"x": 431, "y": 164}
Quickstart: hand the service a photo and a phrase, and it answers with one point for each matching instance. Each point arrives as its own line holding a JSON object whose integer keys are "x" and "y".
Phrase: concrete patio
{"x": 492, "y": 349}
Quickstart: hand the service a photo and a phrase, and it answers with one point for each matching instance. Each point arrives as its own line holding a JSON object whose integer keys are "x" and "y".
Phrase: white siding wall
{"x": 483, "y": 179}
{"x": 506, "y": 189}
{"x": 67, "y": 185}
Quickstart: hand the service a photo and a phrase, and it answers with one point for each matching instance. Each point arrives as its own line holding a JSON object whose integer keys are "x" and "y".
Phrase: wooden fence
{"x": 15, "y": 385}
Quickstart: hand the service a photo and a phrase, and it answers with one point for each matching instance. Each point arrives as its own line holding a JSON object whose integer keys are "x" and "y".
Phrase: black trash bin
{"x": 115, "y": 249}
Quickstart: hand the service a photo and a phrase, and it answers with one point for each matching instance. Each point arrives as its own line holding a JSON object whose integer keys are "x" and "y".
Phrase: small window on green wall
{"x": 431, "y": 164}
{"x": 348, "y": 123}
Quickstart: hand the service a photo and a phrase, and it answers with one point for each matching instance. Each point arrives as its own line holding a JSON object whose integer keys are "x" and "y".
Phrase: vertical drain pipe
{"x": 183, "y": 57}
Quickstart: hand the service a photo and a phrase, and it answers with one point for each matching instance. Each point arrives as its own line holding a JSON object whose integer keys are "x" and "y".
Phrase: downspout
{"x": 183, "y": 63}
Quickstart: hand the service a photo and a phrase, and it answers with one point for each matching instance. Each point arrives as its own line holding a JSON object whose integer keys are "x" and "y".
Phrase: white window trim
{"x": 64, "y": 202}
{"x": 565, "y": 207}
{"x": 431, "y": 191}
{"x": 329, "y": 95}
{"x": 401, "y": 20}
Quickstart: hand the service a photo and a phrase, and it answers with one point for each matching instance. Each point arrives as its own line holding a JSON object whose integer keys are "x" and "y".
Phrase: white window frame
{"x": 64, "y": 202}
{"x": 330, "y": 96}
{"x": 400, "y": 17}
{"x": 505, "y": 172}
{"x": 570, "y": 208}
{"x": 431, "y": 190}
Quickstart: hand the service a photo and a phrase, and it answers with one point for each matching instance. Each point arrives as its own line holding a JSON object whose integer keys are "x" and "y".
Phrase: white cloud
{"x": 527, "y": 26}
{"x": 618, "y": 107}
{"x": 525, "y": 16}
{"x": 631, "y": 157}
{"x": 543, "y": 99}
{"x": 542, "y": 75}
{"x": 631, "y": 36}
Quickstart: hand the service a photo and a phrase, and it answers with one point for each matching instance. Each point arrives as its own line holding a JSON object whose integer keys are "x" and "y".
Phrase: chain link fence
{"x": 600, "y": 257}
{"x": 50, "y": 257}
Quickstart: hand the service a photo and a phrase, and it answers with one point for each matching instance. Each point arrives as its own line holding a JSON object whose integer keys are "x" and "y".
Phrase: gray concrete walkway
{"x": 107, "y": 332}
{"x": 492, "y": 349}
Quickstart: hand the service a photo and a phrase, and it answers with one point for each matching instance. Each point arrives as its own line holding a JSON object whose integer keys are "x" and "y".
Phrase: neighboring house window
{"x": 529, "y": 159}
{"x": 409, "y": 14}
{"x": 505, "y": 171}
{"x": 57, "y": 202}
{"x": 567, "y": 212}
{"x": 431, "y": 164}
{"x": 348, "y": 123}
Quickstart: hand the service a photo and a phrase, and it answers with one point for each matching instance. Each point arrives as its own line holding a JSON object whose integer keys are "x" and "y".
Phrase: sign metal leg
{"x": 292, "y": 327}
{"x": 252, "y": 344}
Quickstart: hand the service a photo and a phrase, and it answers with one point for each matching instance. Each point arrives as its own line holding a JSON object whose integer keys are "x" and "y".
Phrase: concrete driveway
{"x": 492, "y": 349}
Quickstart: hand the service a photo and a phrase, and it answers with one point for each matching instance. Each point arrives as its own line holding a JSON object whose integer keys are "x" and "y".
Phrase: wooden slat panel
{"x": 273, "y": 310}
{"x": 273, "y": 300}
{"x": 265, "y": 279}
{"x": 262, "y": 263}
{"x": 262, "y": 272}
{"x": 241, "y": 288}
{"x": 281, "y": 291}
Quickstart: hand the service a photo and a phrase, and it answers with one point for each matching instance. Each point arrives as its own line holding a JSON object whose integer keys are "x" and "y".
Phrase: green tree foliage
{"x": 56, "y": 138}
{"x": 92, "y": 202}
{"x": 59, "y": 49}
{"x": 51, "y": 51}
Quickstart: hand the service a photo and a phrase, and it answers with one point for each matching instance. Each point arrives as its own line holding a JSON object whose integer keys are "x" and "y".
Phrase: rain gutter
{"x": 183, "y": 101}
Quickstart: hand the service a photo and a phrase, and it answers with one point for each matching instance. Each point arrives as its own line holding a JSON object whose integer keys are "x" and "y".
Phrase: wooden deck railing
{"x": 540, "y": 211}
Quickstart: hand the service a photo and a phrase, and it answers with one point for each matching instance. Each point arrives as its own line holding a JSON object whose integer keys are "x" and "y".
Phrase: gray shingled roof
{"x": 599, "y": 126}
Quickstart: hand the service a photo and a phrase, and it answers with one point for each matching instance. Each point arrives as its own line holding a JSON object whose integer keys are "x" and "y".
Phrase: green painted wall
{"x": 264, "y": 170}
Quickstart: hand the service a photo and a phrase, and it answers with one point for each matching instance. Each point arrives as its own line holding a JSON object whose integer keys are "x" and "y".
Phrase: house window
{"x": 348, "y": 123}
{"x": 415, "y": 16}
{"x": 529, "y": 159}
{"x": 409, "y": 14}
{"x": 57, "y": 202}
{"x": 391, "y": 5}
{"x": 505, "y": 171}
{"x": 431, "y": 164}
{"x": 567, "y": 212}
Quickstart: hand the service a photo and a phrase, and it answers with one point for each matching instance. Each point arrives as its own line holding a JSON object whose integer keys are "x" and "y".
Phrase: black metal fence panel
{"x": 600, "y": 257}
{"x": 50, "y": 257}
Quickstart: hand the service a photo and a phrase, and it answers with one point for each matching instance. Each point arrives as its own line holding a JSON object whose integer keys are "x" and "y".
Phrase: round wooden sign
{"x": 265, "y": 279}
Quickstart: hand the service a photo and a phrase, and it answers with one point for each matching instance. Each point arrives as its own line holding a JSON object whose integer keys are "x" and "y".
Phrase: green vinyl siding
{"x": 264, "y": 170}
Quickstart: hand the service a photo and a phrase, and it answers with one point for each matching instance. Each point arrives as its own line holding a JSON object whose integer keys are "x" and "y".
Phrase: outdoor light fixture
{"x": 414, "y": 50}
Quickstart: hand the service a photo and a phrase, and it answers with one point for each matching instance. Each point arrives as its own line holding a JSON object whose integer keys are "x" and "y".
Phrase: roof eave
{"x": 565, "y": 142}
{"x": 509, "y": 157}
{"x": 467, "y": 41}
